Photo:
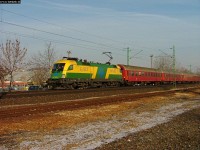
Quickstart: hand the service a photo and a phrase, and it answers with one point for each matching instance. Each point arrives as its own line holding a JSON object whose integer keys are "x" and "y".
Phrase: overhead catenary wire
{"x": 56, "y": 34}
{"x": 61, "y": 35}
{"x": 54, "y": 41}
{"x": 61, "y": 42}
{"x": 47, "y": 40}
{"x": 57, "y": 25}
{"x": 53, "y": 24}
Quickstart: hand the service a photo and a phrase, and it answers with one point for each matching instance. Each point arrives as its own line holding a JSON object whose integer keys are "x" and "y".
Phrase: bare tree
{"x": 163, "y": 63}
{"x": 12, "y": 57}
{"x": 39, "y": 76}
{"x": 3, "y": 73}
{"x": 198, "y": 71}
{"x": 183, "y": 70}
{"x": 42, "y": 63}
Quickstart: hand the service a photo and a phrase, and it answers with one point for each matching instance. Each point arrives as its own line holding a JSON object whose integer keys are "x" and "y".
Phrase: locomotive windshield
{"x": 58, "y": 67}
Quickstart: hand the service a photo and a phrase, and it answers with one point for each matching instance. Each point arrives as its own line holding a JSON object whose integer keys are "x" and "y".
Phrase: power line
{"x": 53, "y": 24}
{"x": 34, "y": 29}
{"x": 54, "y": 41}
{"x": 49, "y": 40}
{"x": 56, "y": 34}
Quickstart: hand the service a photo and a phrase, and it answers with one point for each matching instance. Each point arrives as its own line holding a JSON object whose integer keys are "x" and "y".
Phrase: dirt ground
{"x": 182, "y": 132}
{"x": 101, "y": 127}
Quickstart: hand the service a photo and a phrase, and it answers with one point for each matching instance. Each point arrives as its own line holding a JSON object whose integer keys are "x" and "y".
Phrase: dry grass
{"x": 67, "y": 119}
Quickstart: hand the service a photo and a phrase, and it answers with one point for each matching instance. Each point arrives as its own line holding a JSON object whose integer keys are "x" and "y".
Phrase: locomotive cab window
{"x": 58, "y": 67}
{"x": 70, "y": 67}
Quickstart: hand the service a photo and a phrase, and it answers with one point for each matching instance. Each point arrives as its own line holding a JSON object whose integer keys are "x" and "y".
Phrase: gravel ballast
{"x": 182, "y": 132}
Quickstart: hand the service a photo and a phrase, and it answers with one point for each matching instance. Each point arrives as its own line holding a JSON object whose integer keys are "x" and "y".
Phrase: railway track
{"x": 34, "y": 109}
{"x": 21, "y": 94}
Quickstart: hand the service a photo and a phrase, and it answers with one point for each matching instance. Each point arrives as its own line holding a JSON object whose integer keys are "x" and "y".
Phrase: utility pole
{"x": 190, "y": 68}
{"x": 1, "y": 12}
{"x": 151, "y": 60}
{"x": 128, "y": 58}
{"x": 68, "y": 53}
{"x": 174, "y": 66}
{"x": 173, "y": 63}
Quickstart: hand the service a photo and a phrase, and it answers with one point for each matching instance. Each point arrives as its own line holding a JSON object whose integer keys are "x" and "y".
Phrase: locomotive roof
{"x": 84, "y": 62}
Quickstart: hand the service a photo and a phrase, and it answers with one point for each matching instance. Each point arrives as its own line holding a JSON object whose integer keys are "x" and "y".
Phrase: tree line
{"x": 13, "y": 57}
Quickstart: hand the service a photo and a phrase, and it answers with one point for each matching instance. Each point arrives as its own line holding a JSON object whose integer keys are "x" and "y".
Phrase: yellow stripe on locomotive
{"x": 74, "y": 69}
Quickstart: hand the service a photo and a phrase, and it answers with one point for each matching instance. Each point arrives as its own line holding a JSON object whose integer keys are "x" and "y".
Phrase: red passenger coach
{"x": 133, "y": 75}
{"x": 140, "y": 75}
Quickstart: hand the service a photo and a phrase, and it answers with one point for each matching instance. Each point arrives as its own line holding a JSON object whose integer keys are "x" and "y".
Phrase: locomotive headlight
{"x": 63, "y": 75}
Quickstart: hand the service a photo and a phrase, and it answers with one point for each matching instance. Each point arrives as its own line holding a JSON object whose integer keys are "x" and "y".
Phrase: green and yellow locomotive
{"x": 74, "y": 73}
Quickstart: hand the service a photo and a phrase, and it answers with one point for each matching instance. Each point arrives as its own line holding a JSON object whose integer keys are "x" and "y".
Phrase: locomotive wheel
{"x": 117, "y": 84}
{"x": 71, "y": 87}
{"x": 86, "y": 86}
{"x": 51, "y": 87}
{"x": 104, "y": 85}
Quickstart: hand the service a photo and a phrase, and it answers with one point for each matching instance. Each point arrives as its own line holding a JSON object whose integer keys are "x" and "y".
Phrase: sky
{"x": 88, "y": 28}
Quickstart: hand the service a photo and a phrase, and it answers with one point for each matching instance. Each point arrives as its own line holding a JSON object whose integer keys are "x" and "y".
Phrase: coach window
{"x": 132, "y": 73}
{"x": 142, "y": 73}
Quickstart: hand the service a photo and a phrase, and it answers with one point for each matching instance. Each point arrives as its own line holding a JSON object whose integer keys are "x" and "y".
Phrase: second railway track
{"x": 40, "y": 108}
{"x": 21, "y": 94}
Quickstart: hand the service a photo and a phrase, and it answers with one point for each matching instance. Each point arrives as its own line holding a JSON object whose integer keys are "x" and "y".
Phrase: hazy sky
{"x": 89, "y": 27}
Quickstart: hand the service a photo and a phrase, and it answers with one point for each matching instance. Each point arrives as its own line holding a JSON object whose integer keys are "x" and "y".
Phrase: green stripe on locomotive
{"x": 115, "y": 77}
{"x": 56, "y": 75}
{"x": 79, "y": 75}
